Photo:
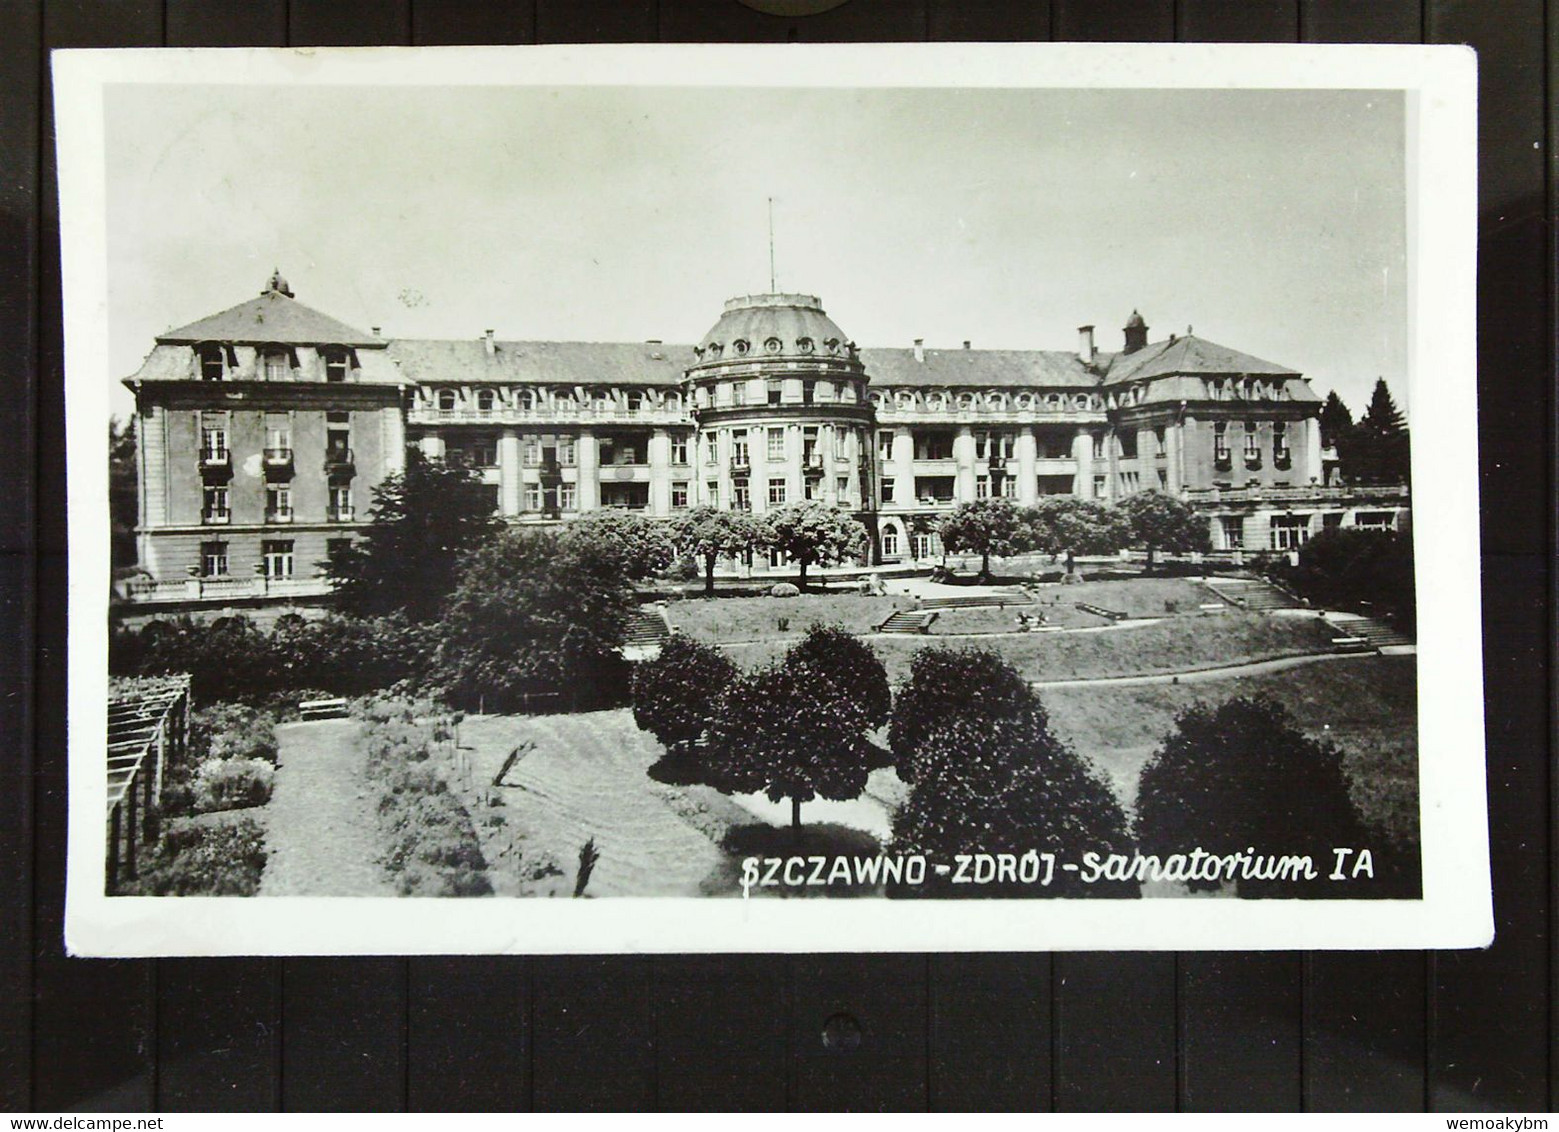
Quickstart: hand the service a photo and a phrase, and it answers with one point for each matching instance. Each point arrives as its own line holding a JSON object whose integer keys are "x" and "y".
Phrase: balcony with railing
{"x": 1315, "y": 493}
{"x": 223, "y": 587}
{"x": 339, "y": 461}
{"x": 278, "y": 514}
{"x": 341, "y": 514}
{"x": 216, "y": 516}
{"x": 741, "y": 464}
{"x": 214, "y": 458}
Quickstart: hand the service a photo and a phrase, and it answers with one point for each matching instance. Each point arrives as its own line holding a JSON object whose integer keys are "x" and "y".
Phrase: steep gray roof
{"x": 1191, "y": 355}
{"x": 271, "y": 317}
{"x": 987, "y": 368}
{"x": 566, "y": 363}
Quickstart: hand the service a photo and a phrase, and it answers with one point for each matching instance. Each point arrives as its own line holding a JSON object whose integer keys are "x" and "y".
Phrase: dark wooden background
{"x": 1072, "y": 1031}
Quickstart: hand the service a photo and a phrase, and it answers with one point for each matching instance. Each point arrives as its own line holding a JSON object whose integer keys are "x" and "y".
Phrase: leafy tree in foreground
{"x": 813, "y": 533}
{"x": 985, "y": 527}
{"x": 1157, "y": 521}
{"x": 710, "y": 534}
{"x": 1241, "y": 776}
{"x": 791, "y": 731}
{"x": 535, "y": 613}
{"x": 421, "y": 522}
{"x": 1001, "y": 782}
{"x": 640, "y": 546}
{"x": 849, "y": 666}
{"x": 676, "y": 694}
{"x": 948, "y": 683}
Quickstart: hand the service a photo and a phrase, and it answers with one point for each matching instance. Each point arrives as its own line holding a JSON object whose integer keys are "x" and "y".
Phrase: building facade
{"x": 263, "y": 430}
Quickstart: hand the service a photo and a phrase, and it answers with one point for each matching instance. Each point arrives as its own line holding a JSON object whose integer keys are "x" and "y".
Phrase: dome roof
{"x": 759, "y": 326}
{"x": 1136, "y": 322}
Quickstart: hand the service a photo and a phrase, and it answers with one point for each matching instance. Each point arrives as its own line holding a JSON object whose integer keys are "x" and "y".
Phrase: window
{"x": 809, "y": 490}
{"x": 527, "y": 400}
{"x": 340, "y": 503}
{"x": 213, "y": 438}
{"x": 1252, "y": 444}
{"x": 1130, "y": 483}
{"x": 1009, "y": 487}
{"x": 1221, "y": 443}
{"x": 213, "y": 559}
{"x": 775, "y": 390}
{"x": 568, "y": 497}
{"x": 213, "y": 505}
{"x": 739, "y": 454}
{"x": 1158, "y": 441}
{"x": 532, "y": 497}
{"x": 532, "y": 451}
{"x": 1128, "y": 439}
{"x": 278, "y": 438}
{"x": 925, "y": 544}
{"x": 486, "y": 402}
{"x": 712, "y": 493}
{"x": 566, "y": 451}
{"x": 842, "y": 488}
{"x": 1163, "y": 480}
{"x": 1098, "y": 446}
{"x": 1290, "y": 532}
{"x": 776, "y": 492}
{"x": 484, "y": 452}
{"x": 679, "y": 494}
{"x": 336, "y": 365}
{"x": 1232, "y": 528}
{"x": 711, "y": 450}
{"x": 982, "y": 487}
{"x": 603, "y": 401}
{"x": 1100, "y": 486}
{"x": 739, "y": 393}
{"x": 276, "y": 555}
{"x": 886, "y": 484}
{"x": 809, "y": 454}
{"x": 278, "y": 503}
{"x": 933, "y": 446}
{"x": 808, "y": 391}
{"x": 890, "y": 542}
{"x": 275, "y": 365}
{"x": 679, "y": 450}
{"x": 1373, "y": 520}
{"x": 1280, "y": 443}
{"x": 776, "y": 444}
{"x": 446, "y": 400}
{"x": 213, "y": 366}
{"x": 884, "y": 446}
{"x": 741, "y": 496}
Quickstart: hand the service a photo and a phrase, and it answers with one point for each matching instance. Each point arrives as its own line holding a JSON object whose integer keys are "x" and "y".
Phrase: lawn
{"x": 1174, "y": 645}
{"x": 730, "y": 619}
{"x": 1367, "y": 705}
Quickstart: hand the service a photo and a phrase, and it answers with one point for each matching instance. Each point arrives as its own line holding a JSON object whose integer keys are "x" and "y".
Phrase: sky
{"x": 1269, "y": 221}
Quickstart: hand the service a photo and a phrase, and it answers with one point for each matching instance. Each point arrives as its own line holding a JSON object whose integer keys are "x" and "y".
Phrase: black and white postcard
{"x": 692, "y": 498}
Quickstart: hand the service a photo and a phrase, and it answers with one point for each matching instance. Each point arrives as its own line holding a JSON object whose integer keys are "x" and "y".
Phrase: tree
{"x": 676, "y": 694}
{"x": 1336, "y": 421}
{"x": 1242, "y": 776}
{"x": 421, "y": 522}
{"x": 985, "y": 527}
{"x": 1345, "y": 566}
{"x": 999, "y": 781}
{"x": 709, "y": 534}
{"x": 812, "y": 533}
{"x": 640, "y": 546}
{"x": 1065, "y": 524}
{"x": 849, "y": 666}
{"x": 792, "y": 731}
{"x": 1376, "y": 450}
{"x": 123, "y": 493}
{"x": 946, "y": 683}
{"x": 1157, "y": 522}
{"x": 536, "y": 614}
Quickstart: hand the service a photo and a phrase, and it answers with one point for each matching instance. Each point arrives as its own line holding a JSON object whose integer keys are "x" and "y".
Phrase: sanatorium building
{"x": 263, "y": 429}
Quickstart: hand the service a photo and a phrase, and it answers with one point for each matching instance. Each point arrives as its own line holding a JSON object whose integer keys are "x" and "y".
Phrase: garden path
{"x": 1193, "y": 675}
{"x": 322, "y": 836}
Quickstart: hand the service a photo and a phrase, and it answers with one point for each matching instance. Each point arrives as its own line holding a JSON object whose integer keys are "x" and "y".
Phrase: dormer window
{"x": 213, "y": 366}
{"x": 527, "y": 400}
{"x": 486, "y": 401}
{"x": 275, "y": 365}
{"x": 336, "y": 365}
{"x": 446, "y": 400}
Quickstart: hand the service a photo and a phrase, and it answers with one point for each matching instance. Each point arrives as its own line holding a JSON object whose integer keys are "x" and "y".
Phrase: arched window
{"x": 527, "y": 400}
{"x": 213, "y": 365}
{"x": 446, "y": 400}
{"x": 890, "y": 542}
{"x": 486, "y": 401}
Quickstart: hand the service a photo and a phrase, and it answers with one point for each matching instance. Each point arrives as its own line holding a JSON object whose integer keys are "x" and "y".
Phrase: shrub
{"x": 204, "y": 860}
{"x": 946, "y": 684}
{"x": 1347, "y": 567}
{"x": 784, "y": 589}
{"x": 231, "y": 784}
{"x": 675, "y": 694}
{"x": 850, "y": 666}
{"x": 1242, "y": 776}
{"x": 1003, "y": 783}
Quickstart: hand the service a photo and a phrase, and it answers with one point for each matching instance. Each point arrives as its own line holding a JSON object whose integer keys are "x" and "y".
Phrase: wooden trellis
{"x": 147, "y": 724}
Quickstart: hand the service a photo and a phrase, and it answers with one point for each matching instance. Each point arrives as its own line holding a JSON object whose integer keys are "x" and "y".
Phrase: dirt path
{"x": 1196, "y": 675}
{"x": 321, "y": 832}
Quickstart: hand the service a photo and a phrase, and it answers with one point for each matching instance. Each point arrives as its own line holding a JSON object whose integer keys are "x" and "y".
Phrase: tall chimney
{"x": 1085, "y": 351}
{"x": 490, "y": 345}
{"x": 374, "y": 330}
{"x": 966, "y": 343}
{"x": 920, "y": 349}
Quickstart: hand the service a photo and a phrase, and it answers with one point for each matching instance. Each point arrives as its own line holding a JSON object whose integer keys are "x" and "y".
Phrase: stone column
{"x": 795, "y": 479}
{"x": 1025, "y": 449}
{"x": 1082, "y": 452}
{"x": 1174, "y": 445}
{"x": 508, "y": 473}
{"x": 1313, "y": 468}
{"x": 903, "y": 468}
{"x": 587, "y": 454}
{"x": 963, "y": 455}
{"x": 825, "y": 452}
{"x": 660, "y": 472}
{"x": 762, "y": 467}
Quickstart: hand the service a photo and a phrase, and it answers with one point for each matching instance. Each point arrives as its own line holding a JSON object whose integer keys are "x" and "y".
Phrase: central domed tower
{"x": 779, "y": 395}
